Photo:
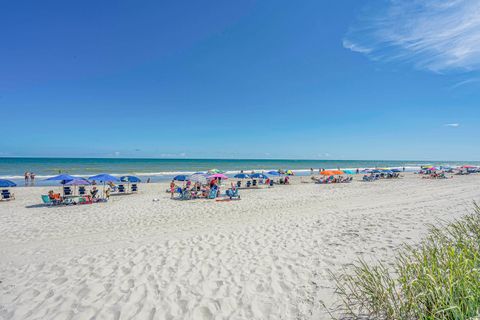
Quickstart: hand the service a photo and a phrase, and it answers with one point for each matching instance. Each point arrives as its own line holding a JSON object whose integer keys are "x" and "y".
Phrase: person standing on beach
{"x": 172, "y": 189}
{"x": 32, "y": 178}
{"x": 403, "y": 169}
{"x": 27, "y": 177}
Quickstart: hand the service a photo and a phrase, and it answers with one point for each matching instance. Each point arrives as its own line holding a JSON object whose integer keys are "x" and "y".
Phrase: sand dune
{"x": 267, "y": 256}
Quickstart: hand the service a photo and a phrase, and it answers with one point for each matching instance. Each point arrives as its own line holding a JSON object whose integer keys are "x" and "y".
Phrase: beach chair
{"x": 82, "y": 191}
{"x": 254, "y": 183}
{"x": 121, "y": 188}
{"x": 239, "y": 184}
{"x": 271, "y": 183}
{"x": 232, "y": 194}
{"x": 213, "y": 193}
{"x": 249, "y": 183}
{"x": 134, "y": 187}
{"x": 6, "y": 195}
{"x": 46, "y": 200}
{"x": 67, "y": 191}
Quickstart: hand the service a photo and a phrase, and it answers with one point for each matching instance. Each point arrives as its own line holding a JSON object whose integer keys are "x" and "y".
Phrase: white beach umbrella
{"x": 198, "y": 178}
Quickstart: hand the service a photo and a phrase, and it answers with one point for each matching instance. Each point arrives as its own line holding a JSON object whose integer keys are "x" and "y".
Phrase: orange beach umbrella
{"x": 331, "y": 172}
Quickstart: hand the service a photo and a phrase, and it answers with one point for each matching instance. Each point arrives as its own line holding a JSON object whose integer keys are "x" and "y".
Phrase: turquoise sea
{"x": 164, "y": 169}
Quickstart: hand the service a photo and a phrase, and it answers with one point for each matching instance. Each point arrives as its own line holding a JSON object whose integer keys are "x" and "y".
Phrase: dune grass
{"x": 438, "y": 279}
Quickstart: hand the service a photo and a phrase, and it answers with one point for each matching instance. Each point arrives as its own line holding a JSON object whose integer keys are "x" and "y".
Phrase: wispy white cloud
{"x": 452, "y": 125}
{"x": 464, "y": 83}
{"x": 437, "y": 35}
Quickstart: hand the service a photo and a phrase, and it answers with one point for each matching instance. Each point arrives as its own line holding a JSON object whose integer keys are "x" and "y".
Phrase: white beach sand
{"x": 266, "y": 256}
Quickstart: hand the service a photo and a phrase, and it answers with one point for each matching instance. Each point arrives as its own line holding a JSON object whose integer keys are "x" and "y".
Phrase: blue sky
{"x": 241, "y": 79}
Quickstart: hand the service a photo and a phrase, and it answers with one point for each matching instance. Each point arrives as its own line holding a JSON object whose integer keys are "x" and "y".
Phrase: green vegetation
{"x": 439, "y": 279}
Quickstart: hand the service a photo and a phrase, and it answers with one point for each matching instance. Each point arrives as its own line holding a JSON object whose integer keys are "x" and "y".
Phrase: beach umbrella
{"x": 387, "y": 171}
{"x": 242, "y": 176}
{"x": 78, "y": 182}
{"x": 180, "y": 177}
{"x": 258, "y": 176}
{"x": 104, "y": 177}
{"x": 7, "y": 183}
{"x": 200, "y": 178}
{"x": 468, "y": 167}
{"x": 349, "y": 171}
{"x": 396, "y": 170}
{"x": 213, "y": 171}
{"x": 289, "y": 173}
{"x": 130, "y": 179}
{"x": 217, "y": 176}
{"x": 331, "y": 172}
{"x": 273, "y": 173}
{"x": 63, "y": 178}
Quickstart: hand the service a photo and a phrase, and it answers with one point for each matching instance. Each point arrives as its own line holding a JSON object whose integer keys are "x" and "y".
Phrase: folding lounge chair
{"x": 213, "y": 193}
{"x": 121, "y": 188}
{"x": 67, "y": 191}
{"x": 239, "y": 184}
{"x": 82, "y": 191}
{"x": 249, "y": 183}
{"x": 6, "y": 195}
{"x": 232, "y": 194}
{"x": 254, "y": 183}
{"x": 134, "y": 187}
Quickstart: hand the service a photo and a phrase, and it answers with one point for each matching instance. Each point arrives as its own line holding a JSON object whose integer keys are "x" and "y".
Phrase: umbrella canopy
{"x": 349, "y": 171}
{"x": 213, "y": 171}
{"x": 78, "y": 182}
{"x": 387, "y": 171}
{"x": 432, "y": 168}
{"x": 198, "y": 178}
{"x": 273, "y": 173}
{"x": 180, "y": 177}
{"x": 242, "y": 176}
{"x": 104, "y": 178}
{"x": 396, "y": 170}
{"x": 468, "y": 167}
{"x": 130, "y": 179}
{"x": 289, "y": 172}
{"x": 218, "y": 176}
{"x": 258, "y": 176}
{"x": 331, "y": 172}
{"x": 7, "y": 183}
{"x": 62, "y": 177}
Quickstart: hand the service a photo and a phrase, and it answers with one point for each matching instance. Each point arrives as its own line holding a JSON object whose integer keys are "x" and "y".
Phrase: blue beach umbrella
{"x": 258, "y": 176}
{"x": 104, "y": 177}
{"x": 7, "y": 183}
{"x": 396, "y": 170}
{"x": 273, "y": 173}
{"x": 78, "y": 182}
{"x": 63, "y": 178}
{"x": 180, "y": 177}
{"x": 242, "y": 176}
{"x": 131, "y": 179}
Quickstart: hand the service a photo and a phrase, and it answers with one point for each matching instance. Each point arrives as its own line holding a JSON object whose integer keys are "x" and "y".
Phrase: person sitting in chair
{"x": 94, "y": 192}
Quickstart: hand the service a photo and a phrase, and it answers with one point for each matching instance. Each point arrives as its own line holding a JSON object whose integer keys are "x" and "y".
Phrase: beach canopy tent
{"x": 130, "y": 179}
{"x": 63, "y": 178}
{"x": 258, "y": 176}
{"x": 213, "y": 171}
{"x": 331, "y": 172}
{"x": 217, "y": 176}
{"x": 273, "y": 173}
{"x": 198, "y": 177}
{"x": 7, "y": 183}
{"x": 181, "y": 177}
{"x": 242, "y": 176}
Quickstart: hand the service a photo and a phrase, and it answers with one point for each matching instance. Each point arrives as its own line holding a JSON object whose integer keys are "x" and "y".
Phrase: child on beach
{"x": 172, "y": 189}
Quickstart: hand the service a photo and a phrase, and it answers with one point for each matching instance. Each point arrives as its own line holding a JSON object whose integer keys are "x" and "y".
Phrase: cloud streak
{"x": 453, "y": 125}
{"x": 439, "y": 36}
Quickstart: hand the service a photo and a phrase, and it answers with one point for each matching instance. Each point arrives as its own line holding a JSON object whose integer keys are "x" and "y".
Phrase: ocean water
{"x": 165, "y": 169}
